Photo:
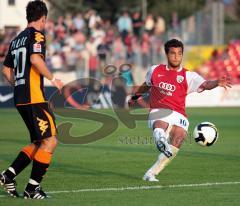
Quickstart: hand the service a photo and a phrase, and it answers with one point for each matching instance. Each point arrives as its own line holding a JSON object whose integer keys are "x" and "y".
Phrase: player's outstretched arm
{"x": 41, "y": 66}
{"x": 8, "y": 73}
{"x": 224, "y": 82}
{"x": 140, "y": 91}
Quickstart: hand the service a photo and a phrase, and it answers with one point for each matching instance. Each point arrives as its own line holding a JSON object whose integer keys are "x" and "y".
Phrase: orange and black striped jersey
{"x": 28, "y": 81}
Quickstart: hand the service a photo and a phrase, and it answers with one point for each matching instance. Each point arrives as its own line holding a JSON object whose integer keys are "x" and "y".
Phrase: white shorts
{"x": 169, "y": 116}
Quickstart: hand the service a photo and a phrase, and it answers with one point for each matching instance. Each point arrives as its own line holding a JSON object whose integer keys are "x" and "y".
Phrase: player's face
{"x": 174, "y": 56}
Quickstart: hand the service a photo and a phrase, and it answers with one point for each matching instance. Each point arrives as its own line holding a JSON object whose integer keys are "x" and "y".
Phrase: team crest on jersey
{"x": 180, "y": 79}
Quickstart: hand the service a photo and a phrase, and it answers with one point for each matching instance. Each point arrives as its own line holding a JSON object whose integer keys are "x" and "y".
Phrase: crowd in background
{"x": 86, "y": 43}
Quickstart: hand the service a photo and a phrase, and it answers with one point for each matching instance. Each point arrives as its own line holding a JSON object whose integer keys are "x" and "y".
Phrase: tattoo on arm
{"x": 142, "y": 89}
{"x": 210, "y": 84}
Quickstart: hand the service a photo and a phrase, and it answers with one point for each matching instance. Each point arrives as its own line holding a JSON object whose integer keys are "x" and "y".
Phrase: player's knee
{"x": 50, "y": 143}
{"x": 160, "y": 124}
{"x": 177, "y": 142}
{"x": 177, "y": 137}
{"x": 53, "y": 142}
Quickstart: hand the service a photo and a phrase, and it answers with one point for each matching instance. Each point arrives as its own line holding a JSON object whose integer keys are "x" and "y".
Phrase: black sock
{"x": 38, "y": 171}
{"x": 19, "y": 164}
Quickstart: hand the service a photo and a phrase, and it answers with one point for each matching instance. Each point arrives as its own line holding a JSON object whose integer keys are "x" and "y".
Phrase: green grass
{"x": 110, "y": 162}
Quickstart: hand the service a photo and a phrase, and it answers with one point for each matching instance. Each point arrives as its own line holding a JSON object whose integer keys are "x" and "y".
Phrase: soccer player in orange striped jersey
{"x": 25, "y": 68}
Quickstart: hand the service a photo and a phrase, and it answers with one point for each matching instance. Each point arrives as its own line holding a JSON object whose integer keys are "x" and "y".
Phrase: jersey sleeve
{"x": 194, "y": 81}
{"x": 148, "y": 77}
{"x": 9, "y": 61}
{"x": 37, "y": 44}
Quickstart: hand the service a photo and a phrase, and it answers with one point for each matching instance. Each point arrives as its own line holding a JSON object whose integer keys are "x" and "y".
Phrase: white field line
{"x": 134, "y": 188}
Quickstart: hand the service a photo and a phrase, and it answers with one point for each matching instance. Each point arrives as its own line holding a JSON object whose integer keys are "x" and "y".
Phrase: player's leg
{"x": 40, "y": 166}
{"x": 7, "y": 177}
{"x": 160, "y": 135}
{"x": 23, "y": 159}
{"x": 161, "y": 131}
{"x": 46, "y": 135}
{"x": 177, "y": 136}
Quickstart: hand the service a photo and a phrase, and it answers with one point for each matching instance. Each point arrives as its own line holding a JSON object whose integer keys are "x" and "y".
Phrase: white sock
{"x": 162, "y": 162}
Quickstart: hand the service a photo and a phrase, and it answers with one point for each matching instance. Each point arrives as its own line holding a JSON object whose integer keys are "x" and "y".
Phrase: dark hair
{"x": 173, "y": 43}
{"x": 35, "y": 10}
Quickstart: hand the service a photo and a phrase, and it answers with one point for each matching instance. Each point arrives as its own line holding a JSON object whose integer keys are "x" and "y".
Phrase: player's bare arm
{"x": 38, "y": 62}
{"x": 8, "y": 74}
{"x": 224, "y": 82}
{"x": 140, "y": 91}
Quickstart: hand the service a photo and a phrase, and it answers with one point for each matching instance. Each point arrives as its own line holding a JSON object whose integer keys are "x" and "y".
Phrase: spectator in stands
{"x": 119, "y": 51}
{"x": 57, "y": 62}
{"x": 110, "y": 37}
{"x": 81, "y": 65}
{"x": 137, "y": 24}
{"x": 70, "y": 47}
{"x": 68, "y": 21}
{"x": 175, "y": 22}
{"x": 60, "y": 30}
{"x": 145, "y": 48}
{"x": 79, "y": 22}
{"x": 91, "y": 47}
{"x": 103, "y": 52}
{"x": 149, "y": 23}
{"x": 124, "y": 25}
{"x": 93, "y": 19}
{"x": 79, "y": 39}
{"x": 128, "y": 42}
{"x": 71, "y": 56}
{"x": 98, "y": 34}
{"x": 160, "y": 26}
{"x": 156, "y": 49}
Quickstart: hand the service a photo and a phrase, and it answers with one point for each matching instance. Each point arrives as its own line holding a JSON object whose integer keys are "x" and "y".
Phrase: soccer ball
{"x": 205, "y": 134}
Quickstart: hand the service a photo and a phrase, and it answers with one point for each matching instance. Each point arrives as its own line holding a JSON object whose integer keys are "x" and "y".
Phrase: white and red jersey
{"x": 170, "y": 87}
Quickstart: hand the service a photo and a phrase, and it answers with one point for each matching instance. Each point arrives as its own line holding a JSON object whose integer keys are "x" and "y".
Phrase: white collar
{"x": 180, "y": 68}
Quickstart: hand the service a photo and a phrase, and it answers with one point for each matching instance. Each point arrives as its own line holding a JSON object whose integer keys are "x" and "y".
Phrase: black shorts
{"x": 39, "y": 120}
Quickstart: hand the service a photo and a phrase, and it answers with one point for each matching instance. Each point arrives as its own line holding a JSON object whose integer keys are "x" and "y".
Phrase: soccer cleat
{"x": 164, "y": 147}
{"x": 9, "y": 185}
{"x": 36, "y": 194}
{"x": 150, "y": 178}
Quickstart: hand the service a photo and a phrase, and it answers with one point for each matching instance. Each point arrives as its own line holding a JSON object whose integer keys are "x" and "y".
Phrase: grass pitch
{"x": 109, "y": 171}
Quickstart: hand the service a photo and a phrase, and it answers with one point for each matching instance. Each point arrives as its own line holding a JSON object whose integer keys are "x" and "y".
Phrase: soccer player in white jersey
{"x": 168, "y": 86}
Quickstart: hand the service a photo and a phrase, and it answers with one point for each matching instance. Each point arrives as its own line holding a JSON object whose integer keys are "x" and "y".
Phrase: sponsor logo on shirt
{"x": 37, "y": 47}
{"x": 167, "y": 86}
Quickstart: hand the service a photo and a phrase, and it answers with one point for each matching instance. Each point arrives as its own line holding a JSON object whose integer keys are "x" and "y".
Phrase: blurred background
{"x": 84, "y": 37}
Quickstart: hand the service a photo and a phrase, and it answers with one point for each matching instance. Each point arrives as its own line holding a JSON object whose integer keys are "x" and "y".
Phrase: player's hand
{"x": 133, "y": 100}
{"x": 225, "y": 82}
{"x": 131, "y": 103}
{"x": 57, "y": 83}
